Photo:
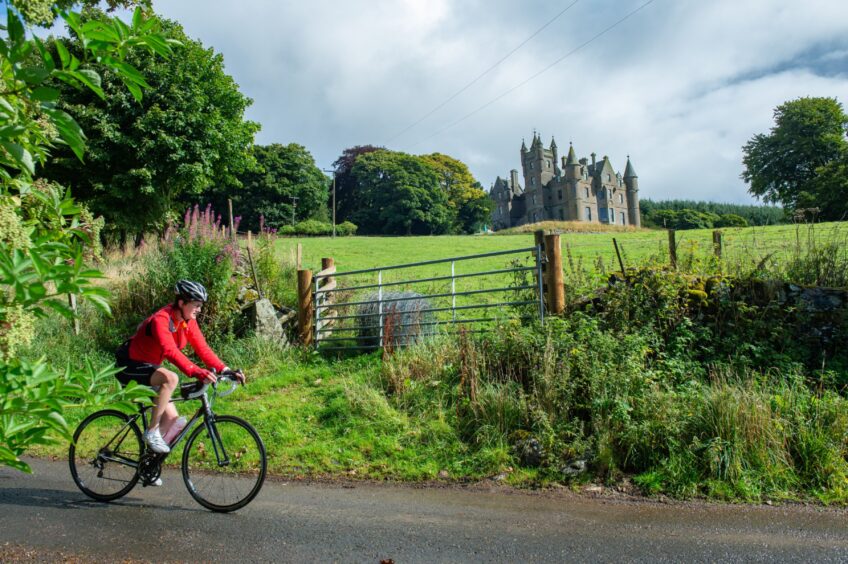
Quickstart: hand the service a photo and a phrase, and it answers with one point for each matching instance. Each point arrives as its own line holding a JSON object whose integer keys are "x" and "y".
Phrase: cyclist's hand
{"x": 239, "y": 375}
{"x": 205, "y": 376}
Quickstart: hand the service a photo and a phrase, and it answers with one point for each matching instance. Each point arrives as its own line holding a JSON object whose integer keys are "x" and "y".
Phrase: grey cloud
{"x": 680, "y": 86}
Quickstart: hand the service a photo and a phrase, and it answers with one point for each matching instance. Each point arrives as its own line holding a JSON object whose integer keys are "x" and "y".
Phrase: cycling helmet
{"x": 191, "y": 291}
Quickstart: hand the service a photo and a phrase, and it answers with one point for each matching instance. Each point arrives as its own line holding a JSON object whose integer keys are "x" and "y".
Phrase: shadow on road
{"x": 62, "y": 499}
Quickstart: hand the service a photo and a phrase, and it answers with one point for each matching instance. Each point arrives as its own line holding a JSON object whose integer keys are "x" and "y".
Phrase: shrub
{"x": 731, "y": 220}
{"x": 200, "y": 251}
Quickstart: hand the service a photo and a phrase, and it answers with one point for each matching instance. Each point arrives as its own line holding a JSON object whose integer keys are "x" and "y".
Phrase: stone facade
{"x": 579, "y": 191}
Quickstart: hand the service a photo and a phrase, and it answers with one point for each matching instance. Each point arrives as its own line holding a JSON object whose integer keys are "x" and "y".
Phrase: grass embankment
{"x": 713, "y": 397}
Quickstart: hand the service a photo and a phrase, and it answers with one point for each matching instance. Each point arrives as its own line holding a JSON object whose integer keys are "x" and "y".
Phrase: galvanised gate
{"x": 394, "y": 306}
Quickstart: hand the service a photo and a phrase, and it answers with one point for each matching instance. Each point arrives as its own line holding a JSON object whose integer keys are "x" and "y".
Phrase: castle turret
{"x": 555, "y": 159}
{"x": 631, "y": 182}
{"x": 571, "y": 166}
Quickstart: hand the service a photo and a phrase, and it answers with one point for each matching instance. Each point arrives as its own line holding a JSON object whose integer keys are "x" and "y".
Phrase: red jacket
{"x": 161, "y": 336}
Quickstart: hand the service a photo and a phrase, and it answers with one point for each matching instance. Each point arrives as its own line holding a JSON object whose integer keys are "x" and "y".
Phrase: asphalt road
{"x": 369, "y": 522}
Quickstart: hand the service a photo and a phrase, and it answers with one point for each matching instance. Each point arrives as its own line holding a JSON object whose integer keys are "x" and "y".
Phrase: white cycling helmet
{"x": 189, "y": 291}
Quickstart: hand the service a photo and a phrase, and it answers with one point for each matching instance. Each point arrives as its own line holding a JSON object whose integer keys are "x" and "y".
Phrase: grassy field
{"x": 741, "y": 245}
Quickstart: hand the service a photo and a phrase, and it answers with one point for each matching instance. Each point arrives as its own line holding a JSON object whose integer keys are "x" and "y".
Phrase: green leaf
{"x": 33, "y": 75}
{"x": 21, "y": 156}
{"x": 69, "y": 131}
{"x": 129, "y": 72}
{"x": 15, "y": 25}
{"x": 137, "y": 19}
{"x": 11, "y": 131}
{"x": 45, "y": 94}
{"x": 134, "y": 89}
{"x": 91, "y": 79}
{"x": 63, "y": 53}
{"x": 46, "y": 57}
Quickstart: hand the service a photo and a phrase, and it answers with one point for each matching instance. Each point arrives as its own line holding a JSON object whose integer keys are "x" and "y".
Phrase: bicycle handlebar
{"x": 195, "y": 390}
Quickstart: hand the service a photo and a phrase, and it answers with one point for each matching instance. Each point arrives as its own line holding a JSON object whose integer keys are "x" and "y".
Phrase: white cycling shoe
{"x": 157, "y": 482}
{"x": 155, "y": 442}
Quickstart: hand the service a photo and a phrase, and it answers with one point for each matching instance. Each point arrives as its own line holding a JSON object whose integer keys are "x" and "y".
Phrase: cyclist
{"x": 161, "y": 336}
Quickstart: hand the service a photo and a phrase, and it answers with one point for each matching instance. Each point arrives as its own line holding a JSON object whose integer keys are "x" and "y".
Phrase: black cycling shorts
{"x": 141, "y": 372}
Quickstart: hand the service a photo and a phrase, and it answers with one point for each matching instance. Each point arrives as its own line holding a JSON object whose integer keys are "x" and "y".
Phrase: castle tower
{"x": 571, "y": 166}
{"x": 631, "y": 182}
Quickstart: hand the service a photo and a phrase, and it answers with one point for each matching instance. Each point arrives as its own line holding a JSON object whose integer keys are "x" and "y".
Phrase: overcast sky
{"x": 680, "y": 85}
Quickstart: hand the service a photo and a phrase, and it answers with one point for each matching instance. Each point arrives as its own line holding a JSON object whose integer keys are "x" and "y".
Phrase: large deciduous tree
{"x": 399, "y": 194}
{"x": 798, "y": 162}
{"x": 283, "y": 172}
{"x": 468, "y": 202}
{"x": 347, "y": 194}
{"x": 147, "y": 161}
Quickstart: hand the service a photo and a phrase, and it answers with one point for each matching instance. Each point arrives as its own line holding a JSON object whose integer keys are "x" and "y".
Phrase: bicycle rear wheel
{"x": 224, "y": 463}
{"x": 104, "y": 455}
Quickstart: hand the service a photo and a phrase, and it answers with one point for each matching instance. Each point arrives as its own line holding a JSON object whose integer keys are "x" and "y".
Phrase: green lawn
{"x": 354, "y": 253}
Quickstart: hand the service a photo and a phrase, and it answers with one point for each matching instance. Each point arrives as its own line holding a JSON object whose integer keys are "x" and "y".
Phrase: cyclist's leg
{"x": 167, "y": 382}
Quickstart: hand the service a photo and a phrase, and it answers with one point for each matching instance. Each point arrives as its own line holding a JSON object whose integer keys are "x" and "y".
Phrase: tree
{"x": 42, "y": 244}
{"x": 469, "y": 203}
{"x": 790, "y": 165}
{"x": 283, "y": 172}
{"x": 347, "y": 196}
{"x": 187, "y": 135}
{"x": 399, "y": 194}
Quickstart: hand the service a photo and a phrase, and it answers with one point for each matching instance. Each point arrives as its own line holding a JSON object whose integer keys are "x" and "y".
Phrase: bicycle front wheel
{"x": 224, "y": 463}
{"x": 104, "y": 455}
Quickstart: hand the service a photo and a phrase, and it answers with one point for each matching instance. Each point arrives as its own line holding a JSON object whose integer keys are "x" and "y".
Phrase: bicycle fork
{"x": 214, "y": 436}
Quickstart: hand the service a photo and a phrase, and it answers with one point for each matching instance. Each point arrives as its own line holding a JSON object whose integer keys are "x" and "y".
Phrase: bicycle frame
{"x": 204, "y": 411}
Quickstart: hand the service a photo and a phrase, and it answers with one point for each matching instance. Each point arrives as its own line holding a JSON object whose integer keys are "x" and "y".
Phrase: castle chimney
{"x": 593, "y": 159}
{"x": 513, "y": 179}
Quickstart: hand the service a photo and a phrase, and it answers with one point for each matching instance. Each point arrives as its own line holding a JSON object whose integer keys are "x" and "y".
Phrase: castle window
{"x": 532, "y": 182}
{"x": 621, "y": 198}
{"x": 559, "y": 193}
{"x": 588, "y": 213}
{"x": 531, "y": 166}
{"x": 534, "y": 198}
{"x": 609, "y": 177}
{"x": 547, "y": 163}
{"x": 623, "y": 222}
{"x": 587, "y": 192}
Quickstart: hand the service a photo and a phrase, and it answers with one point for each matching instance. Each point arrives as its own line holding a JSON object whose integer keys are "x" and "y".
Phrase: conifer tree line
{"x": 690, "y": 214}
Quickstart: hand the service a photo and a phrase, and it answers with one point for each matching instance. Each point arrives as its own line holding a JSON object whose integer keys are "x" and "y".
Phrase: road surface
{"x": 46, "y": 515}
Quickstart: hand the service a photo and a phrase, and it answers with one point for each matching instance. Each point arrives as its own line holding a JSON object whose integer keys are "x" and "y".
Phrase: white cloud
{"x": 680, "y": 85}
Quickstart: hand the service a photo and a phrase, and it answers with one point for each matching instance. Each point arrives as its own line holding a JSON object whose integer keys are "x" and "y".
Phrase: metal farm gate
{"x": 394, "y": 306}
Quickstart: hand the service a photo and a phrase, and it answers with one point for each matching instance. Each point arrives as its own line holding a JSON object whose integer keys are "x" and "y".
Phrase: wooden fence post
{"x": 556, "y": 290}
{"x": 305, "y": 307}
{"x": 717, "y": 243}
{"x": 672, "y": 249}
{"x": 299, "y": 256}
{"x": 539, "y": 241}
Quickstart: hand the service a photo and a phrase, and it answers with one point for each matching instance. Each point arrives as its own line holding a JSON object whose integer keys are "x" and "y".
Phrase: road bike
{"x": 223, "y": 462}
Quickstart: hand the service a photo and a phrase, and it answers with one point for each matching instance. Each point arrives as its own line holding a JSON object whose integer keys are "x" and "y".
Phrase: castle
{"x": 579, "y": 191}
